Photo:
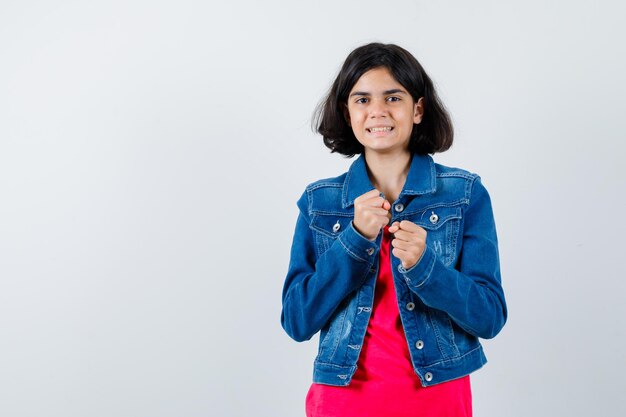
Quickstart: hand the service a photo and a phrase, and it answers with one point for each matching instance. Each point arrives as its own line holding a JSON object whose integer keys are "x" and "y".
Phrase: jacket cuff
{"x": 418, "y": 274}
{"x": 358, "y": 246}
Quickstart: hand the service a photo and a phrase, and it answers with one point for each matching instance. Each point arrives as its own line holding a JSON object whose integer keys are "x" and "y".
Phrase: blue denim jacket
{"x": 449, "y": 299}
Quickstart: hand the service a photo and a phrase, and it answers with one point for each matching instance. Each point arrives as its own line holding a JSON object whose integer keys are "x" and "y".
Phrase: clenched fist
{"x": 371, "y": 213}
{"x": 409, "y": 242}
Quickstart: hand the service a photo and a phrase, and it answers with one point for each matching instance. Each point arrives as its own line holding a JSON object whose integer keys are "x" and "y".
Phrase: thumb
{"x": 386, "y": 205}
{"x": 394, "y": 227}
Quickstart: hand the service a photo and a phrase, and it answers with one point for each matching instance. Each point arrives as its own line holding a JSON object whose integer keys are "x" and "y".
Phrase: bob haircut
{"x": 433, "y": 134}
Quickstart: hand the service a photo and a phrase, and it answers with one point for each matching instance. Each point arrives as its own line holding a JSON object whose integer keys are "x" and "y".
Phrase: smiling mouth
{"x": 380, "y": 129}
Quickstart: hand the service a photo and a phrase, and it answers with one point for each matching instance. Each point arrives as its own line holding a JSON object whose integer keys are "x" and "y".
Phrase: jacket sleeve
{"x": 315, "y": 286}
{"x": 471, "y": 294}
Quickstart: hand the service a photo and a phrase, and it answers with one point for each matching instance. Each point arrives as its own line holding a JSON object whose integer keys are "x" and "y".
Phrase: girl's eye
{"x": 393, "y": 98}
{"x": 361, "y": 100}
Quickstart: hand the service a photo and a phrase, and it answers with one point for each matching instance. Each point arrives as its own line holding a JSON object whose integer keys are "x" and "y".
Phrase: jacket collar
{"x": 420, "y": 180}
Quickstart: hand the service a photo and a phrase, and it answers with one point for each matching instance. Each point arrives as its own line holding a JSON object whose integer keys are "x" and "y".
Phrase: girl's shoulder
{"x": 463, "y": 180}
{"x": 331, "y": 182}
{"x": 322, "y": 191}
{"x": 450, "y": 171}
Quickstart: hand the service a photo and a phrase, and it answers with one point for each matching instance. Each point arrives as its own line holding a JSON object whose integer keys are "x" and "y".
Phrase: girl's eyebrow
{"x": 392, "y": 91}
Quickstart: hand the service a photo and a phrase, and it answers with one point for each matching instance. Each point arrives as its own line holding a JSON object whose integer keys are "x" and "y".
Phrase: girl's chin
{"x": 386, "y": 149}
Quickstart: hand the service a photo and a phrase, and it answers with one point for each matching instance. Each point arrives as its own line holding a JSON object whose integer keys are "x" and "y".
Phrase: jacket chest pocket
{"x": 442, "y": 226}
{"x": 326, "y": 228}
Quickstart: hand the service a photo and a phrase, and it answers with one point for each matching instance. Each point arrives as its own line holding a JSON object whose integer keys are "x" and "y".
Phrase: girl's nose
{"x": 377, "y": 108}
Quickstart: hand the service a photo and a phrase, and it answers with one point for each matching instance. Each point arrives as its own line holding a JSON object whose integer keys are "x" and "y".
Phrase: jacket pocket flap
{"x": 435, "y": 217}
{"x": 330, "y": 225}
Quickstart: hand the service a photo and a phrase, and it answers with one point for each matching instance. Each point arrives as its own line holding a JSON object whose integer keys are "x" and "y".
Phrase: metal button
{"x": 336, "y": 227}
{"x": 370, "y": 251}
{"x": 428, "y": 377}
{"x": 400, "y": 267}
{"x": 434, "y": 218}
{"x": 419, "y": 344}
{"x": 410, "y": 307}
{"x": 399, "y": 207}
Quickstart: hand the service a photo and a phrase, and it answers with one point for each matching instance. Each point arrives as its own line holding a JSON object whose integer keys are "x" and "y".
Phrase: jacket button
{"x": 399, "y": 207}
{"x": 428, "y": 377}
{"x": 420, "y": 345}
{"x": 370, "y": 251}
{"x": 336, "y": 227}
{"x": 434, "y": 218}
{"x": 410, "y": 307}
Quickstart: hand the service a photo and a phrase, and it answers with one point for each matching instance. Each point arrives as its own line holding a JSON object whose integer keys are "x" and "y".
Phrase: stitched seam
{"x": 344, "y": 191}
{"x": 317, "y": 185}
{"x": 430, "y": 270}
{"x": 429, "y": 225}
{"x": 456, "y": 174}
{"x": 343, "y": 326}
{"x": 453, "y": 237}
{"x": 452, "y": 359}
{"x": 354, "y": 255}
{"x": 438, "y": 337}
{"x": 454, "y": 204}
{"x": 469, "y": 189}
{"x": 413, "y": 192}
{"x": 309, "y": 202}
{"x": 433, "y": 174}
{"x": 332, "y": 213}
{"x": 450, "y": 204}
{"x": 323, "y": 232}
{"x": 451, "y": 335}
{"x": 334, "y": 365}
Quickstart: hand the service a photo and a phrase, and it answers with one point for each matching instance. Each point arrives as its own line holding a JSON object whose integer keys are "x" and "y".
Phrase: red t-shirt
{"x": 384, "y": 383}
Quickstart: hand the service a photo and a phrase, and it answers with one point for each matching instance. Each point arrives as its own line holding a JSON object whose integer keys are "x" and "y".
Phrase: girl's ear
{"x": 418, "y": 111}
{"x": 346, "y": 113}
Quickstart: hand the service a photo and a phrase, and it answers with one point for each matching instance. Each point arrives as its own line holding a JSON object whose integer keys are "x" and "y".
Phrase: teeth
{"x": 380, "y": 129}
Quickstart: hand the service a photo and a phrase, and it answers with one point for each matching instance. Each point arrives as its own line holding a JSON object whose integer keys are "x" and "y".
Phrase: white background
{"x": 151, "y": 154}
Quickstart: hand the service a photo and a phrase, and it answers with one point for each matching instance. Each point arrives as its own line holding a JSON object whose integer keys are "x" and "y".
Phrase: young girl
{"x": 394, "y": 262}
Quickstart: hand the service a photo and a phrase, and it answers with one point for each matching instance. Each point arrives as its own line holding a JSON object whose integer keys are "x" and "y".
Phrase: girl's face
{"x": 381, "y": 112}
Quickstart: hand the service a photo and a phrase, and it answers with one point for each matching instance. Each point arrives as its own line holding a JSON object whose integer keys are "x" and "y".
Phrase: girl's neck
{"x": 388, "y": 172}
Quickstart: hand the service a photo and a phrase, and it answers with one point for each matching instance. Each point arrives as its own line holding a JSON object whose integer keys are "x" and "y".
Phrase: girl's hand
{"x": 371, "y": 213}
{"x": 409, "y": 242}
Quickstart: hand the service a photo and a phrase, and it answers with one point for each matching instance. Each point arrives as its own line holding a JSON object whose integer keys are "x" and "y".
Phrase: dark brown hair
{"x": 433, "y": 134}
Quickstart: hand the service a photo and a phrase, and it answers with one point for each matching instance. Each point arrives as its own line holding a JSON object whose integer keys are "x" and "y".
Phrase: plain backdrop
{"x": 151, "y": 154}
